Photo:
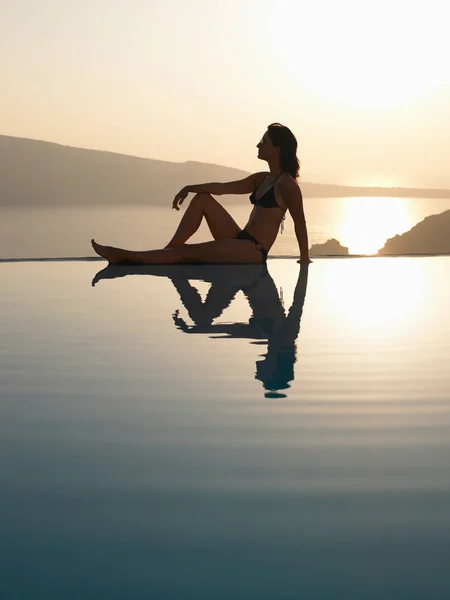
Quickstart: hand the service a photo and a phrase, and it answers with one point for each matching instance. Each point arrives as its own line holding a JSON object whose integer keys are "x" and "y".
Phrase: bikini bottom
{"x": 245, "y": 235}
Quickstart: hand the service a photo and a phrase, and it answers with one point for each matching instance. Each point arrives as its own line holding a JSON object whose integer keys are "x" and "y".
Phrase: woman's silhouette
{"x": 268, "y": 324}
{"x": 271, "y": 194}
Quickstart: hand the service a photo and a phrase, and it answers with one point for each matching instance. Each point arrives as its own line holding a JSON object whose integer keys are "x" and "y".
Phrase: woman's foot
{"x": 113, "y": 255}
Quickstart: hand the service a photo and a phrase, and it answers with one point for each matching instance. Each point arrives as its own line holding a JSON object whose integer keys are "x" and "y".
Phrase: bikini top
{"x": 267, "y": 200}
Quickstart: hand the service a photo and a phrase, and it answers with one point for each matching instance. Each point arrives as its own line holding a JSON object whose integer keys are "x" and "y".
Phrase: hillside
{"x": 34, "y": 173}
{"x": 430, "y": 236}
{"x": 330, "y": 248}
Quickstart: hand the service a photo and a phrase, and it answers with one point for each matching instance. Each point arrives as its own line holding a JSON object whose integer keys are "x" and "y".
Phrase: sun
{"x": 375, "y": 55}
{"x": 366, "y": 223}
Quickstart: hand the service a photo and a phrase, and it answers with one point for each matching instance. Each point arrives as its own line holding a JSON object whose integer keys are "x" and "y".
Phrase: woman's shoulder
{"x": 285, "y": 180}
{"x": 287, "y": 187}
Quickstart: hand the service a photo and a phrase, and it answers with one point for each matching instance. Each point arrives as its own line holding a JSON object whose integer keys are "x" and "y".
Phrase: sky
{"x": 364, "y": 85}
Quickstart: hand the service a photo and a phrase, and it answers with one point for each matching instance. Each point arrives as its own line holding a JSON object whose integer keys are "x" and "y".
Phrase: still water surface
{"x": 225, "y": 432}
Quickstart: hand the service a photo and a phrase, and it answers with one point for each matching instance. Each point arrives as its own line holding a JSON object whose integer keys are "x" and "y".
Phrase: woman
{"x": 272, "y": 194}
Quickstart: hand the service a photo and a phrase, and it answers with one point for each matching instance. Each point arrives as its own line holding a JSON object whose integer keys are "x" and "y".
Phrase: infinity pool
{"x": 227, "y": 432}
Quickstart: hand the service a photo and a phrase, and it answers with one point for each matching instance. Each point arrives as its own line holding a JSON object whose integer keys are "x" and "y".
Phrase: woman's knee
{"x": 200, "y": 199}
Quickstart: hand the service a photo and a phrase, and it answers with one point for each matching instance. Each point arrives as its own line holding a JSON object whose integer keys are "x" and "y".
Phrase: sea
{"x": 361, "y": 224}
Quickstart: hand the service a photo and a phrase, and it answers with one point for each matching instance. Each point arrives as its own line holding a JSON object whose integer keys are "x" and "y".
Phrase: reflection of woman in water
{"x": 268, "y": 323}
{"x": 271, "y": 194}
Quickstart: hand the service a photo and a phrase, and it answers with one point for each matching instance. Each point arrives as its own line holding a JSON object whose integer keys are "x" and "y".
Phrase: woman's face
{"x": 266, "y": 150}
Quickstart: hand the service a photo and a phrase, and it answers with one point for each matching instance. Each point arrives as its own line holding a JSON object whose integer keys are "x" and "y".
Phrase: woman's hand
{"x": 180, "y": 197}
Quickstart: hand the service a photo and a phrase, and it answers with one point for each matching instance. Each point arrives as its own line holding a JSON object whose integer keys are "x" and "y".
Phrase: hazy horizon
{"x": 367, "y": 102}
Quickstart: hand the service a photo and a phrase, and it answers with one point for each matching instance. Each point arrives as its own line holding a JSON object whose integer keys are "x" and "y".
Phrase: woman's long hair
{"x": 283, "y": 137}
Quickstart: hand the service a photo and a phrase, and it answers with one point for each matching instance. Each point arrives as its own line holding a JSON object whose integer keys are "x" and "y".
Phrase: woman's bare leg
{"x": 230, "y": 251}
{"x": 220, "y": 222}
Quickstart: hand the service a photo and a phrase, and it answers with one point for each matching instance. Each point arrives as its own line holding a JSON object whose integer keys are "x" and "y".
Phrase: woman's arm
{"x": 241, "y": 186}
{"x": 292, "y": 197}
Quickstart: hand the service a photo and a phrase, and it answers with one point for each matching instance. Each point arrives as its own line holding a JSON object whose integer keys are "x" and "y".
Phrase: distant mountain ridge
{"x": 38, "y": 173}
{"x": 35, "y": 173}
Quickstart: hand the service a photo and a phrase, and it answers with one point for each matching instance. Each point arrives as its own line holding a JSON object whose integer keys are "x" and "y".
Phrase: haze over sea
{"x": 361, "y": 224}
